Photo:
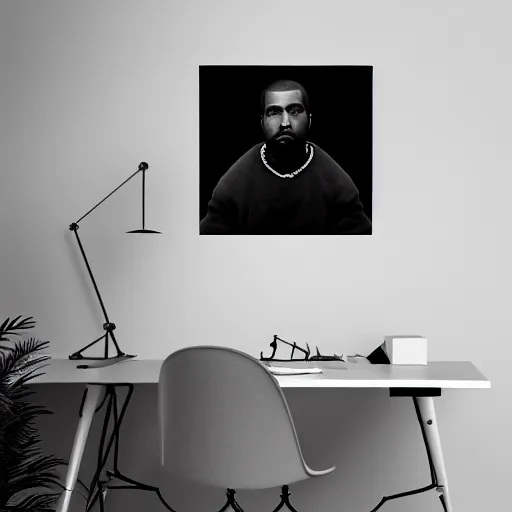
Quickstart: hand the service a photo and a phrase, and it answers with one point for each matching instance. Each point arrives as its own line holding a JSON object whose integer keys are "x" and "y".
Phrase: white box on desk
{"x": 406, "y": 349}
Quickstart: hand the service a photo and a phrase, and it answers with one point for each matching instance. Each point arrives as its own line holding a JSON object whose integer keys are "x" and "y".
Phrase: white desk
{"x": 420, "y": 382}
{"x": 437, "y": 374}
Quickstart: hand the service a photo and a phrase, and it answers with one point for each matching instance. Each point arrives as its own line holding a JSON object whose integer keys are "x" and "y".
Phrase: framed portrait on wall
{"x": 285, "y": 150}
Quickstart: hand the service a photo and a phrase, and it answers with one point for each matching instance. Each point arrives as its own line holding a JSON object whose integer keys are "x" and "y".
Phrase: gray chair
{"x": 224, "y": 422}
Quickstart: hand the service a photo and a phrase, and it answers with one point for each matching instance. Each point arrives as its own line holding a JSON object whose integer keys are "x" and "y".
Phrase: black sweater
{"x": 250, "y": 199}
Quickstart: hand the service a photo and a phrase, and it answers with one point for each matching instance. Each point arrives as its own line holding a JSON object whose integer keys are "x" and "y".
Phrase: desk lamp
{"x": 108, "y": 326}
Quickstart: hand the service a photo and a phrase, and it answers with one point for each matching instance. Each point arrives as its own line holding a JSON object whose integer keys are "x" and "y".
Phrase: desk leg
{"x": 428, "y": 420}
{"x": 112, "y": 412}
{"x": 92, "y": 398}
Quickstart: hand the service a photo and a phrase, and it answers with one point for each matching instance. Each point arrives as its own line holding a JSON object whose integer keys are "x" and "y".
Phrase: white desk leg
{"x": 91, "y": 402}
{"x": 428, "y": 419}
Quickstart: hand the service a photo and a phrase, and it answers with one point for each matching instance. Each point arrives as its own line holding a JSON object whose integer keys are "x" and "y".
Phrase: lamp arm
{"x": 143, "y": 166}
{"x": 74, "y": 227}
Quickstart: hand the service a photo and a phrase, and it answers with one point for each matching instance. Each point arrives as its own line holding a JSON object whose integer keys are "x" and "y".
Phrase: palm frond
{"x": 35, "y": 503}
{"x": 23, "y": 355}
{"x": 28, "y": 477}
{"x": 10, "y": 327}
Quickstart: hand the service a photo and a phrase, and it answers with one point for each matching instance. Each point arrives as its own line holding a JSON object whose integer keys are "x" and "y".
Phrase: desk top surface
{"x": 437, "y": 374}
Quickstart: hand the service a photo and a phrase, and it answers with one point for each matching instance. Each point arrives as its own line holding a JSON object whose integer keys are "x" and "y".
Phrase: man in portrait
{"x": 287, "y": 184}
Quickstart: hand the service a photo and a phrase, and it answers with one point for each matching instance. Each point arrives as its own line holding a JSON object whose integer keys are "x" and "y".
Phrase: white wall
{"x": 90, "y": 89}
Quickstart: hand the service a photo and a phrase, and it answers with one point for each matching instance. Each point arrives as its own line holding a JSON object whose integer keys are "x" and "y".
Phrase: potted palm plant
{"x": 28, "y": 477}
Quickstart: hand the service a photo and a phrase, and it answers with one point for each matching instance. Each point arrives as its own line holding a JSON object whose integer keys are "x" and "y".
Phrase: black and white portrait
{"x": 285, "y": 150}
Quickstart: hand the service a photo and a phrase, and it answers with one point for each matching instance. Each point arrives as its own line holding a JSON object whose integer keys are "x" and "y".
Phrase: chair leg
{"x": 231, "y": 502}
{"x": 284, "y": 500}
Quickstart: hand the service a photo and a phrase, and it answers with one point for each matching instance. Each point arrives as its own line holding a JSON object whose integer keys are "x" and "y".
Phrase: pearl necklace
{"x": 294, "y": 173}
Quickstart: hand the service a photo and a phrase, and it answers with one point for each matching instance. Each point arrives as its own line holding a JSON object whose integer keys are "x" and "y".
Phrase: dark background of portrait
{"x": 341, "y": 104}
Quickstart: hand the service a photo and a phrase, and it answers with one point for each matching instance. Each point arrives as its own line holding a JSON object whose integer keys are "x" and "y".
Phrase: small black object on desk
{"x": 306, "y": 353}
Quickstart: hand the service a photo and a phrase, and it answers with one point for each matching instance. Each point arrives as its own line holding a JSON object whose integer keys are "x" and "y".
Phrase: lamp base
{"x": 104, "y": 360}
{"x": 98, "y": 362}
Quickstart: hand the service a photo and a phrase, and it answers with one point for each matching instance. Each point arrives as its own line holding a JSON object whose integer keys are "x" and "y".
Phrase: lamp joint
{"x": 109, "y": 326}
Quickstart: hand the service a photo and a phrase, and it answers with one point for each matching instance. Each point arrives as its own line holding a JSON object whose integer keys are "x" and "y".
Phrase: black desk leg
{"x": 99, "y": 486}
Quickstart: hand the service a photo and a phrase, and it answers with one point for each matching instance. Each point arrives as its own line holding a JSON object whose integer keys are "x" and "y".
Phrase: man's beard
{"x": 286, "y": 154}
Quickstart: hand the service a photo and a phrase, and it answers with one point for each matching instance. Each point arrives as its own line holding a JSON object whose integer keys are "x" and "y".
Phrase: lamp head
{"x": 145, "y": 231}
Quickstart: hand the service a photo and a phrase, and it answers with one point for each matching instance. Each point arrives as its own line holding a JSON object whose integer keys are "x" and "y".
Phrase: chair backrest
{"x": 225, "y": 422}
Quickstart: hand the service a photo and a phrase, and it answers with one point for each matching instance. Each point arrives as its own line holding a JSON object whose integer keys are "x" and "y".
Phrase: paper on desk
{"x": 284, "y": 370}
